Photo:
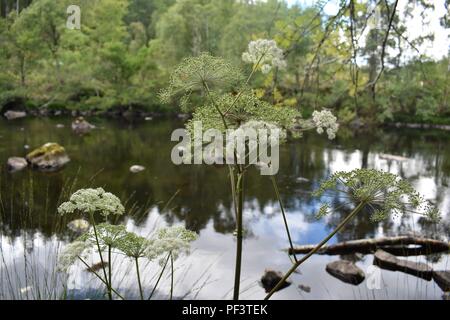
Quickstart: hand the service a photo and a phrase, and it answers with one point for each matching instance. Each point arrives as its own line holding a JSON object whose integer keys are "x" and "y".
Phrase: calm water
{"x": 32, "y": 233}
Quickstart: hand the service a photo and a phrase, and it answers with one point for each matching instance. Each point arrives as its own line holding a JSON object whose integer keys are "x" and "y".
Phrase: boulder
{"x": 59, "y": 126}
{"x": 442, "y": 278}
{"x": 304, "y": 288}
{"x": 81, "y": 126}
{"x": 11, "y": 114}
{"x": 390, "y": 262}
{"x": 346, "y": 271}
{"x": 16, "y": 164}
{"x": 136, "y": 168}
{"x": 270, "y": 279}
{"x": 49, "y": 157}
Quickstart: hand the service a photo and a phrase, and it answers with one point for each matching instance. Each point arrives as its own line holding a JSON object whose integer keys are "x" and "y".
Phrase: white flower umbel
{"x": 71, "y": 253}
{"x": 266, "y": 54}
{"x": 325, "y": 121}
{"x": 89, "y": 201}
{"x": 173, "y": 240}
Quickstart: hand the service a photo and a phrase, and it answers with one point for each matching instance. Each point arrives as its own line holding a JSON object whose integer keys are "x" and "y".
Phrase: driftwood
{"x": 399, "y": 246}
{"x": 387, "y": 261}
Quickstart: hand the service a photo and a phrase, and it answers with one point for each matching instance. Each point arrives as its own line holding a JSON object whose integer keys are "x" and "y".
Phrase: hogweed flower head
{"x": 89, "y": 201}
{"x": 134, "y": 246}
{"x": 266, "y": 54}
{"x": 174, "y": 240}
{"x": 382, "y": 193}
{"x": 107, "y": 234}
{"x": 197, "y": 73}
{"x": 70, "y": 254}
{"x": 325, "y": 121}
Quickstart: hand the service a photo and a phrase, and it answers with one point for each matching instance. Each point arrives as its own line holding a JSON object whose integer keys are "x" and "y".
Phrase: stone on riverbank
{"x": 16, "y": 164}
{"x": 49, "y": 157}
{"x": 136, "y": 168}
{"x": 11, "y": 114}
{"x": 81, "y": 126}
{"x": 346, "y": 271}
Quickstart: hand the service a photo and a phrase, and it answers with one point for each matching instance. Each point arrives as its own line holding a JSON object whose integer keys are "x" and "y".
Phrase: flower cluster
{"x": 135, "y": 246}
{"x": 266, "y": 54}
{"x": 107, "y": 235}
{"x": 174, "y": 240}
{"x": 198, "y": 74}
{"x": 381, "y": 193}
{"x": 71, "y": 253}
{"x": 325, "y": 120}
{"x": 89, "y": 201}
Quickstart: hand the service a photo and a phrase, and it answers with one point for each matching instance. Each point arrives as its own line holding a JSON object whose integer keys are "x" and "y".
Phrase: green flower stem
{"x": 171, "y": 276}
{"x": 101, "y": 279}
{"x": 325, "y": 240}
{"x": 159, "y": 277}
{"x": 141, "y": 292}
{"x": 109, "y": 267}
{"x": 240, "y": 203}
{"x": 108, "y": 284}
{"x": 277, "y": 192}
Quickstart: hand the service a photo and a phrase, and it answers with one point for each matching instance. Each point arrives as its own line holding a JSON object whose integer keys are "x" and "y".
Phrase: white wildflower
{"x": 70, "y": 254}
{"x": 174, "y": 240}
{"x": 107, "y": 235}
{"x": 266, "y": 53}
{"x": 325, "y": 120}
{"x": 92, "y": 200}
{"x": 265, "y": 68}
{"x": 134, "y": 246}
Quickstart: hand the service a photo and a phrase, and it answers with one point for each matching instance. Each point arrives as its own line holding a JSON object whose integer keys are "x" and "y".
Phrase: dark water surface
{"x": 31, "y": 233}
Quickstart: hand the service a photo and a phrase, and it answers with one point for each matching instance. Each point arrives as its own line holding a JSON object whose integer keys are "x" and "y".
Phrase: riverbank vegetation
{"x": 360, "y": 61}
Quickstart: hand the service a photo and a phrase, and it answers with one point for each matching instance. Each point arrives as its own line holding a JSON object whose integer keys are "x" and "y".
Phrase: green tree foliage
{"x": 356, "y": 61}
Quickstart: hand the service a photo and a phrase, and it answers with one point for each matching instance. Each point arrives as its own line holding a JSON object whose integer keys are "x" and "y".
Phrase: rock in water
{"x": 137, "y": 168}
{"x": 16, "y": 164}
{"x": 81, "y": 126}
{"x": 11, "y": 115}
{"x": 270, "y": 279}
{"x": 78, "y": 225}
{"x": 385, "y": 156}
{"x": 346, "y": 271}
{"x": 390, "y": 262}
{"x": 49, "y": 157}
{"x": 304, "y": 288}
{"x": 442, "y": 278}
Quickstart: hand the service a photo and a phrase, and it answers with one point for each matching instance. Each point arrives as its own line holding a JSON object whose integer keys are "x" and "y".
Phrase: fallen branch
{"x": 399, "y": 246}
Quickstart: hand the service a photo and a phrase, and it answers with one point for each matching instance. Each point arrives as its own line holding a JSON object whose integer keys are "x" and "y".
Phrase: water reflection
{"x": 31, "y": 229}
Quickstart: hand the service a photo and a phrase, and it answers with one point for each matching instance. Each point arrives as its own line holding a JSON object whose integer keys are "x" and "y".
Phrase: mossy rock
{"x": 49, "y": 157}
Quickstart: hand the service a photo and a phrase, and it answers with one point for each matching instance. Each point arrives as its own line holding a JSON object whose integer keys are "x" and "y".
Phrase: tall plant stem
{"x": 306, "y": 257}
{"x": 171, "y": 276}
{"x": 240, "y": 202}
{"x": 109, "y": 269}
{"x": 141, "y": 292}
{"x": 108, "y": 285}
{"x": 101, "y": 279}
{"x": 159, "y": 277}
{"x": 277, "y": 193}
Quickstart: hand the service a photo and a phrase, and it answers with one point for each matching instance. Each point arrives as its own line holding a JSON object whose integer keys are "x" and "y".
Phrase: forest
{"x": 359, "y": 61}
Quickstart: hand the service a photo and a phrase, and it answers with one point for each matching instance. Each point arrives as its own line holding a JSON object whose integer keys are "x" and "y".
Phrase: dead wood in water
{"x": 399, "y": 246}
